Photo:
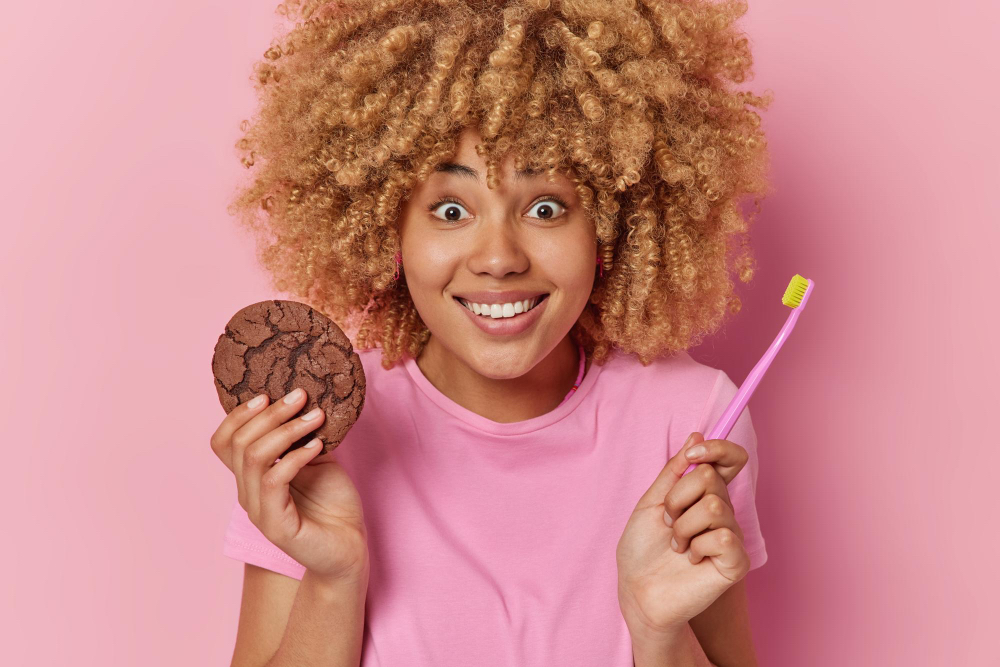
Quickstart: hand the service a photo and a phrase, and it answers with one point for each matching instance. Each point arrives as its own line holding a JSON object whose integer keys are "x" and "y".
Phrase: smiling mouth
{"x": 502, "y": 311}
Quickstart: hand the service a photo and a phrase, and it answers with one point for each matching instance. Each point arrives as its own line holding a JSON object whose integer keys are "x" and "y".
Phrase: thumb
{"x": 670, "y": 473}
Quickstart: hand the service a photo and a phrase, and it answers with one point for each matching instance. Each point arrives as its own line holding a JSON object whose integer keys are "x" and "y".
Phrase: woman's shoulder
{"x": 383, "y": 389}
{"x": 369, "y": 355}
{"x": 377, "y": 377}
{"x": 371, "y": 362}
{"x": 678, "y": 372}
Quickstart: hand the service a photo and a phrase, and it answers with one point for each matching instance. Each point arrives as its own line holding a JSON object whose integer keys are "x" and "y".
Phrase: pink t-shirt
{"x": 494, "y": 544}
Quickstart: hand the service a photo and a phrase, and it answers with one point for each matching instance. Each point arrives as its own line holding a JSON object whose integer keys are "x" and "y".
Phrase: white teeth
{"x": 501, "y": 310}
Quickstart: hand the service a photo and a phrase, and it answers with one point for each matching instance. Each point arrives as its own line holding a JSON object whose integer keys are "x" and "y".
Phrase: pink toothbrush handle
{"x": 732, "y": 413}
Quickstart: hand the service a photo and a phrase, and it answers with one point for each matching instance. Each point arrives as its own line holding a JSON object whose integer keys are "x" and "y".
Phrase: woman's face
{"x": 463, "y": 241}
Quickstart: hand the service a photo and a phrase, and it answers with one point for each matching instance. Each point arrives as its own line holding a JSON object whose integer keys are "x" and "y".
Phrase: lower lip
{"x": 505, "y": 326}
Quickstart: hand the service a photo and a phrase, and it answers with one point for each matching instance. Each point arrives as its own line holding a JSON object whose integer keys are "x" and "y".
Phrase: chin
{"x": 501, "y": 365}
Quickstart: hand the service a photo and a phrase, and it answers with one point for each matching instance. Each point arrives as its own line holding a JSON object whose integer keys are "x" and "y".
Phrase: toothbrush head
{"x": 795, "y": 293}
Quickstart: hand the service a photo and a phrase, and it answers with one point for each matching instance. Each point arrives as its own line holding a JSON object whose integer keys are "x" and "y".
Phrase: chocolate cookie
{"x": 275, "y": 346}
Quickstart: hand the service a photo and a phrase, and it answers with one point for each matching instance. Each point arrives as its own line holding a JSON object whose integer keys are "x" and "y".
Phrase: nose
{"x": 498, "y": 250}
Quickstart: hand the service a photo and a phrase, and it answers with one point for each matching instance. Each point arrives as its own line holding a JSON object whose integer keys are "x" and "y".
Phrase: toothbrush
{"x": 796, "y": 296}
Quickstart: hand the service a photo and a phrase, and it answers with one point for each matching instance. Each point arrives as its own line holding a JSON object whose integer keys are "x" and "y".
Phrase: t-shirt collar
{"x": 499, "y": 428}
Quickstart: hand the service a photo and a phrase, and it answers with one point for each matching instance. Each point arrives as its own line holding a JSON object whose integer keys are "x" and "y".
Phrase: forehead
{"x": 466, "y": 166}
{"x": 466, "y": 163}
{"x": 466, "y": 171}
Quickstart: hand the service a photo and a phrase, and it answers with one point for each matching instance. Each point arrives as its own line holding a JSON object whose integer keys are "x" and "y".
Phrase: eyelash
{"x": 452, "y": 200}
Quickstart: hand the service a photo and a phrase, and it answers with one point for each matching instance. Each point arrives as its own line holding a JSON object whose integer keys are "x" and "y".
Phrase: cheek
{"x": 429, "y": 269}
{"x": 446, "y": 250}
{"x": 570, "y": 262}
{"x": 435, "y": 262}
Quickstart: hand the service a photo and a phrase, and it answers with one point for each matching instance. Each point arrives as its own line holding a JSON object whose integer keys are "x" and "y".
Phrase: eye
{"x": 450, "y": 211}
{"x": 545, "y": 209}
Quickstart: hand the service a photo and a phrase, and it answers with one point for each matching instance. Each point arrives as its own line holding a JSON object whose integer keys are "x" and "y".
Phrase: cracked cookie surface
{"x": 275, "y": 346}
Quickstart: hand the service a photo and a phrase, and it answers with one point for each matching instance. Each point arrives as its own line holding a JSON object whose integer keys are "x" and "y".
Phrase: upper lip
{"x": 508, "y": 296}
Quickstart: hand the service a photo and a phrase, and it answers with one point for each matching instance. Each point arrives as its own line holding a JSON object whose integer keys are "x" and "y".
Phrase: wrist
{"x": 352, "y": 571}
{"x": 640, "y": 625}
{"x": 353, "y": 580}
{"x": 640, "y": 631}
{"x": 676, "y": 646}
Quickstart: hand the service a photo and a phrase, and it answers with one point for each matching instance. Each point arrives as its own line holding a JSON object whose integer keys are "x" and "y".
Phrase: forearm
{"x": 677, "y": 649}
{"x": 326, "y": 624}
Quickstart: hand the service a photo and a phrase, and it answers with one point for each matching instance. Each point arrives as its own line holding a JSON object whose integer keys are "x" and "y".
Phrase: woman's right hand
{"x": 307, "y": 506}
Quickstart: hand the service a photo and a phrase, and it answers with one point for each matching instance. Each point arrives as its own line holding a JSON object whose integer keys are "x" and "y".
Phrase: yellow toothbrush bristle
{"x": 796, "y": 290}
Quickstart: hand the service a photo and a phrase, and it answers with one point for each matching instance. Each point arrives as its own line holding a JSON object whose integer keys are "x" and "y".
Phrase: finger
{"x": 260, "y": 456}
{"x": 709, "y": 513}
{"x": 691, "y": 488}
{"x": 222, "y": 440}
{"x": 726, "y": 550}
{"x": 275, "y": 500}
{"x": 261, "y": 423}
{"x": 669, "y": 474}
{"x": 727, "y": 457}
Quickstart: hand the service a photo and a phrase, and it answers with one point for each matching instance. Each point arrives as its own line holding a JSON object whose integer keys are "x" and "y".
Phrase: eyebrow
{"x": 468, "y": 172}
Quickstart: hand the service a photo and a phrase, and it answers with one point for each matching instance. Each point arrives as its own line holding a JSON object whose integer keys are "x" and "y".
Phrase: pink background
{"x": 120, "y": 268}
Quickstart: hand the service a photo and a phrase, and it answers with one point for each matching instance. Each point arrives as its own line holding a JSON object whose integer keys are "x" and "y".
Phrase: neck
{"x": 535, "y": 393}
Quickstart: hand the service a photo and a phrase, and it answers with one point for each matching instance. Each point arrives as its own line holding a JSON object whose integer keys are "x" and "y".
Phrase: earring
{"x": 605, "y": 258}
{"x": 399, "y": 261}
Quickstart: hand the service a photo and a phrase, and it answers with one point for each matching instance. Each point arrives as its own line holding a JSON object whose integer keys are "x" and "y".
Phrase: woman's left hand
{"x": 661, "y": 587}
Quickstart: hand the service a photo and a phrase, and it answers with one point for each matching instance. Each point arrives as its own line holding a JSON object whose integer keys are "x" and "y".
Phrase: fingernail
{"x": 673, "y": 543}
{"x": 312, "y": 443}
{"x": 256, "y": 402}
{"x": 667, "y": 520}
{"x": 293, "y": 395}
{"x": 695, "y": 452}
{"x": 311, "y": 415}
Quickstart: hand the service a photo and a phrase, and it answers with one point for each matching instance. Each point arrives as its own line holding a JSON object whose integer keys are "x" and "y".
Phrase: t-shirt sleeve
{"x": 743, "y": 488}
{"x": 244, "y": 542}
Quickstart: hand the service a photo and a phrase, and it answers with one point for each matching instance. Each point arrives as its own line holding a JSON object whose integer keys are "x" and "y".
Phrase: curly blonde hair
{"x": 361, "y": 100}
